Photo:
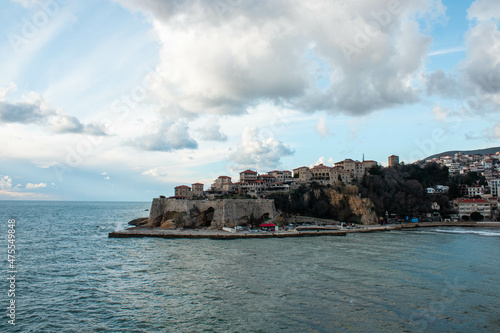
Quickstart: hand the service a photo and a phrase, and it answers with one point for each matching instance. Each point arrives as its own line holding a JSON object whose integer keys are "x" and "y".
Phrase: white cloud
{"x": 484, "y": 10}
{"x": 106, "y": 178}
{"x": 259, "y": 152}
{"x": 5, "y": 183}
{"x": 27, "y": 3}
{"x": 4, "y": 91}
{"x": 321, "y": 127}
{"x": 31, "y": 186}
{"x": 212, "y": 131}
{"x": 440, "y": 113}
{"x": 167, "y": 136}
{"x": 496, "y": 130}
{"x": 33, "y": 109}
{"x": 222, "y": 57}
{"x": 156, "y": 172}
{"x": 104, "y": 173}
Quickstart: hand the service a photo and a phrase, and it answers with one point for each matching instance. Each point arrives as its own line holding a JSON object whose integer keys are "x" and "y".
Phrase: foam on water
{"x": 474, "y": 231}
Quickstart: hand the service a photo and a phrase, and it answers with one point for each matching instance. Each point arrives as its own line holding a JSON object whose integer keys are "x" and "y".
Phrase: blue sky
{"x": 125, "y": 99}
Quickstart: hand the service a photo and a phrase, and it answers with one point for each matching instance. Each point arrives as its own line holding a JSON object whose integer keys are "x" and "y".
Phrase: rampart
{"x": 214, "y": 213}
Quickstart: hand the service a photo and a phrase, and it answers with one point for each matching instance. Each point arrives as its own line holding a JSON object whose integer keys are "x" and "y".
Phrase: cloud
{"x": 4, "y": 91}
{"x": 480, "y": 70}
{"x": 156, "y": 172}
{"x": 440, "y": 113}
{"x": 168, "y": 136}
{"x": 5, "y": 183}
{"x": 212, "y": 131}
{"x": 443, "y": 84}
{"x": 483, "y": 10}
{"x": 496, "y": 131}
{"x": 221, "y": 57}
{"x": 23, "y": 113}
{"x": 70, "y": 124}
{"x": 31, "y": 186}
{"x": 321, "y": 127}
{"x": 27, "y": 3}
{"x": 35, "y": 110}
{"x": 258, "y": 152}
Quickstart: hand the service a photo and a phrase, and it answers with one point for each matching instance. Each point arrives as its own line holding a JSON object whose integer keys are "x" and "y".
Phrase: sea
{"x": 70, "y": 277}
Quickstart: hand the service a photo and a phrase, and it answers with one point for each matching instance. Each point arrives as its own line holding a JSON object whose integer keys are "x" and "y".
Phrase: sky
{"x": 122, "y": 100}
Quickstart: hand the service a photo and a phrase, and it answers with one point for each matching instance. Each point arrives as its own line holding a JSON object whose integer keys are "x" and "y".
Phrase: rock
{"x": 140, "y": 221}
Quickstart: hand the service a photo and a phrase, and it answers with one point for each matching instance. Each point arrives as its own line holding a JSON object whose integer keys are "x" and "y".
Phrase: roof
{"x": 267, "y": 225}
{"x": 224, "y": 177}
{"x": 321, "y": 166}
{"x": 472, "y": 200}
{"x": 266, "y": 176}
{"x": 182, "y": 186}
{"x": 248, "y": 171}
{"x": 197, "y": 184}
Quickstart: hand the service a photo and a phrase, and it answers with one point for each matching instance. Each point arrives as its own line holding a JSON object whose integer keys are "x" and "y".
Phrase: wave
{"x": 481, "y": 232}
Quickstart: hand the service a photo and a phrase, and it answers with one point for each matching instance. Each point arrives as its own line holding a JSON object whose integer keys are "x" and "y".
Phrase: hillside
{"x": 484, "y": 151}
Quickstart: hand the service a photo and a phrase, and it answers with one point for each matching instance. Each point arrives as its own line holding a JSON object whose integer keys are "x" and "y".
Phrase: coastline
{"x": 220, "y": 234}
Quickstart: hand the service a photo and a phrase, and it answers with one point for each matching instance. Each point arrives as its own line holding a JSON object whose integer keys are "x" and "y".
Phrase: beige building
{"x": 369, "y": 164}
{"x": 281, "y": 176}
{"x": 302, "y": 174}
{"x": 222, "y": 183}
{"x": 393, "y": 160}
{"x": 466, "y": 207}
{"x": 183, "y": 192}
{"x": 355, "y": 168}
{"x": 197, "y": 189}
{"x": 320, "y": 173}
{"x": 248, "y": 176}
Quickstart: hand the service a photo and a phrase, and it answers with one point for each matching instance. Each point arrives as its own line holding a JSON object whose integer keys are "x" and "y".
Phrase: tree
{"x": 476, "y": 216}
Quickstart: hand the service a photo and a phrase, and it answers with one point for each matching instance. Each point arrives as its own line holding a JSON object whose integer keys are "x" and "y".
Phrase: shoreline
{"x": 220, "y": 234}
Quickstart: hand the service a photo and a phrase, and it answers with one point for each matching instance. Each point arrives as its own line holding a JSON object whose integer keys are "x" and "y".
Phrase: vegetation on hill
{"x": 399, "y": 190}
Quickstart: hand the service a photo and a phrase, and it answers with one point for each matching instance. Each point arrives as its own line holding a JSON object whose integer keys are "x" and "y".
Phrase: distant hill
{"x": 469, "y": 152}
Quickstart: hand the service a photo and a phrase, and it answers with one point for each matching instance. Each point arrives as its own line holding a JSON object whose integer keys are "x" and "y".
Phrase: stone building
{"x": 183, "y": 192}
{"x": 393, "y": 160}
{"x": 197, "y": 189}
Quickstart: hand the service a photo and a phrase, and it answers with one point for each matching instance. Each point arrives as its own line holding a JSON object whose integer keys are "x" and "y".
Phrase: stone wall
{"x": 214, "y": 214}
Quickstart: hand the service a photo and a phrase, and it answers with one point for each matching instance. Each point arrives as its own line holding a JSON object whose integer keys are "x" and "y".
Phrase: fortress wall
{"x": 227, "y": 212}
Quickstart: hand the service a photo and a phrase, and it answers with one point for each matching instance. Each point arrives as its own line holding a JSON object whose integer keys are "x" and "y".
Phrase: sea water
{"x": 70, "y": 277}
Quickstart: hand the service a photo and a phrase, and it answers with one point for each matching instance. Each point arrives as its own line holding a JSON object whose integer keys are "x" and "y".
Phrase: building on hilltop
{"x": 302, "y": 174}
{"x": 223, "y": 183}
{"x": 197, "y": 189}
{"x": 494, "y": 184}
{"x": 393, "y": 160}
{"x": 248, "y": 176}
{"x": 183, "y": 192}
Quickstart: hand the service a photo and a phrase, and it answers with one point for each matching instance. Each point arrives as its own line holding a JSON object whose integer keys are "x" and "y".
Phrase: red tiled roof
{"x": 248, "y": 171}
{"x": 224, "y": 177}
{"x": 182, "y": 186}
{"x": 198, "y": 184}
{"x": 472, "y": 200}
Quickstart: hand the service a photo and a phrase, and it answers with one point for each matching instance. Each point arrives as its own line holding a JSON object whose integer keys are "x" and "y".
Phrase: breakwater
{"x": 219, "y": 234}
